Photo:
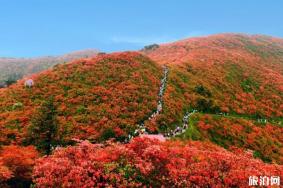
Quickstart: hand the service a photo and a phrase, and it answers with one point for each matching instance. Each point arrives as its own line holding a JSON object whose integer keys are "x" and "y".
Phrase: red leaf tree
{"x": 148, "y": 162}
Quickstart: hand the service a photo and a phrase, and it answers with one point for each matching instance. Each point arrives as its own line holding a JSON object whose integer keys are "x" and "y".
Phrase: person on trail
{"x": 185, "y": 126}
{"x": 159, "y": 107}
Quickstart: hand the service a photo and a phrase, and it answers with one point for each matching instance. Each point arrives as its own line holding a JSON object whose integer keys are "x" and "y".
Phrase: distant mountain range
{"x": 12, "y": 69}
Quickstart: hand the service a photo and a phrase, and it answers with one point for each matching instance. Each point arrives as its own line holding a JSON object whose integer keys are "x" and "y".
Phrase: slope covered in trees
{"x": 96, "y": 99}
{"x": 236, "y": 80}
{"x": 230, "y": 85}
{"x": 241, "y": 74}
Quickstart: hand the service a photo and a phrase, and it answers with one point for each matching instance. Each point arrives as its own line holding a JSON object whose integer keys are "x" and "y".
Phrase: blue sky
{"x": 31, "y": 28}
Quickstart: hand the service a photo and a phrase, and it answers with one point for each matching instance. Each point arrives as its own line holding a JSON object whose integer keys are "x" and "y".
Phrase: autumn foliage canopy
{"x": 148, "y": 162}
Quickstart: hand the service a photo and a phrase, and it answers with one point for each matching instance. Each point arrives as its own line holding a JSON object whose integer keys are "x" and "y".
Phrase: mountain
{"x": 12, "y": 69}
{"x": 235, "y": 81}
{"x": 97, "y": 98}
{"x": 224, "y": 90}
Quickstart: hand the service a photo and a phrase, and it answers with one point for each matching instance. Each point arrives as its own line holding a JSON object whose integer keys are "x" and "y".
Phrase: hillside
{"x": 242, "y": 74}
{"x": 12, "y": 69}
{"x": 224, "y": 90}
{"x": 97, "y": 98}
{"x": 234, "y": 81}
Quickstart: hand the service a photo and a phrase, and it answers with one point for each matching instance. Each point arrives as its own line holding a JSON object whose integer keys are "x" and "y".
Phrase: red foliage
{"x": 106, "y": 96}
{"x": 17, "y": 162}
{"x": 147, "y": 162}
{"x": 241, "y": 132}
{"x": 5, "y": 173}
{"x": 223, "y": 64}
{"x": 93, "y": 95}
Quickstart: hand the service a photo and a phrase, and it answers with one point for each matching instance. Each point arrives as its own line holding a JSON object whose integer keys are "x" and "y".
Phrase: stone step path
{"x": 181, "y": 129}
{"x": 162, "y": 137}
{"x": 141, "y": 128}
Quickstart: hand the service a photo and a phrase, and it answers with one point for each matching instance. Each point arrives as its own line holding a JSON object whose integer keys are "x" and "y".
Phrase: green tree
{"x": 43, "y": 132}
{"x": 202, "y": 91}
{"x": 151, "y": 47}
{"x": 10, "y": 81}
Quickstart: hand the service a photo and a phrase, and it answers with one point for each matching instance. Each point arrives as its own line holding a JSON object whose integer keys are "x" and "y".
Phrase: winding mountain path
{"x": 181, "y": 129}
{"x": 141, "y": 130}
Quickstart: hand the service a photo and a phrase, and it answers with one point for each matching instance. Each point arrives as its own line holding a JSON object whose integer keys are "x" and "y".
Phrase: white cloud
{"x": 194, "y": 34}
{"x": 140, "y": 40}
{"x": 144, "y": 40}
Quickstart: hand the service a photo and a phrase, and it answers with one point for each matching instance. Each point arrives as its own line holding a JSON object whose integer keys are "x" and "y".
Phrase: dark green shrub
{"x": 151, "y": 47}
{"x": 202, "y": 91}
{"x": 206, "y": 105}
{"x": 249, "y": 85}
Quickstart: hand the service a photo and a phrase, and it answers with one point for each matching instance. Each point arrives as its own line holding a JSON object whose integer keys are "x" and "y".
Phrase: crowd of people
{"x": 181, "y": 129}
{"x": 141, "y": 129}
